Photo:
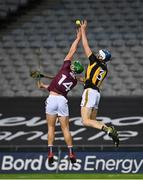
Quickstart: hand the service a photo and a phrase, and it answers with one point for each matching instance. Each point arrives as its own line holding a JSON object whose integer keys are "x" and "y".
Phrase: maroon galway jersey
{"x": 64, "y": 81}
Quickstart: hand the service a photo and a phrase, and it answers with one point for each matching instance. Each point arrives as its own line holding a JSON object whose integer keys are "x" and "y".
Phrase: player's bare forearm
{"x": 74, "y": 45}
{"x": 41, "y": 85}
{"x": 85, "y": 44}
{"x": 72, "y": 50}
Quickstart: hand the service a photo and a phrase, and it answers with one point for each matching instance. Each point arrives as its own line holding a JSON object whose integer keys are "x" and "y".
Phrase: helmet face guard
{"x": 77, "y": 67}
{"x": 105, "y": 54}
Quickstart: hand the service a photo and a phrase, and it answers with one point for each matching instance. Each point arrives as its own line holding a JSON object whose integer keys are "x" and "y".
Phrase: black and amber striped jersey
{"x": 95, "y": 73}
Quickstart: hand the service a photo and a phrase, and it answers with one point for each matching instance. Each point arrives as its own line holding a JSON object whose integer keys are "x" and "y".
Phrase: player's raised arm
{"x": 74, "y": 45}
{"x": 85, "y": 44}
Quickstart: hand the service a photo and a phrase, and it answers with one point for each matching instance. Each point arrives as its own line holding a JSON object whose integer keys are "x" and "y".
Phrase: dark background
{"x": 112, "y": 107}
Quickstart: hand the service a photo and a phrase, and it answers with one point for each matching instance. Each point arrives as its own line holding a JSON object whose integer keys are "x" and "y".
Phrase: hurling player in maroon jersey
{"x": 57, "y": 103}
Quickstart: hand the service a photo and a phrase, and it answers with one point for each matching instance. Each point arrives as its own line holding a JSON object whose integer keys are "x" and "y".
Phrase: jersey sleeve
{"x": 92, "y": 59}
{"x": 66, "y": 64}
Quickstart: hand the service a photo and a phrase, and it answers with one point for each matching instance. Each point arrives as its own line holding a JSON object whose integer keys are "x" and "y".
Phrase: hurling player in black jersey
{"x": 95, "y": 74}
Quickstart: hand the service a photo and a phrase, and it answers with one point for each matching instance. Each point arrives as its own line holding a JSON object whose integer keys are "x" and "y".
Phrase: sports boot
{"x": 72, "y": 158}
{"x": 112, "y": 132}
{"x": 50, "y": 158}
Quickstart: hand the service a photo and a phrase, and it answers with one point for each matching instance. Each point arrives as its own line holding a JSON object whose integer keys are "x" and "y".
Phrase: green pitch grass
{"x": 72, "y": 176}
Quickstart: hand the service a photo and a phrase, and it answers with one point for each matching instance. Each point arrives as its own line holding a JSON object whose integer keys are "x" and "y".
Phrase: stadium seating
{"x": 45, "y": 31}
{"x": 10, "y": 6}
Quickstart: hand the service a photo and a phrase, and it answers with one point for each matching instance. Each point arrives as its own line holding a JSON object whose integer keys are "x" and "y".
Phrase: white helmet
{"x": 105, "y": 54}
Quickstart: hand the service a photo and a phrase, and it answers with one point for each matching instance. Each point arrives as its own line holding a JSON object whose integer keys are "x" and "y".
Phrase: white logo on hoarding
{"x": 88, "y": 163}
{"x": 31, "y": 135}
{"x": 9, "y": 162}
{"x": 93, "y": 163}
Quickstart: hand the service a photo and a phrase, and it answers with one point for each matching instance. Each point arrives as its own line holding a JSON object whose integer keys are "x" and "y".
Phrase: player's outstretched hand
{"x": 83, "y": 24}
